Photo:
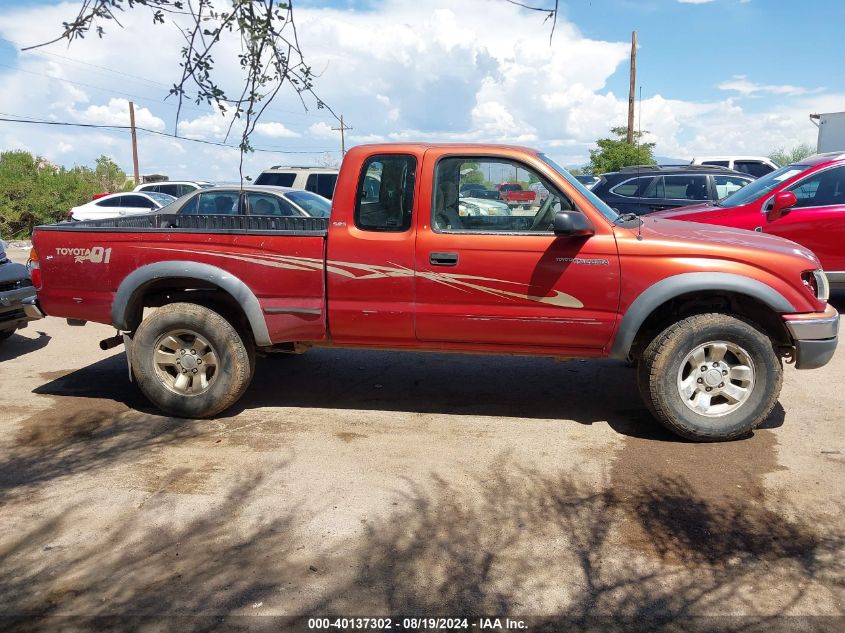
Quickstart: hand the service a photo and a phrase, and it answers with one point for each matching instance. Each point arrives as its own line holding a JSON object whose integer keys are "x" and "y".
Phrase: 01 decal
{"x": 359, "y": 272}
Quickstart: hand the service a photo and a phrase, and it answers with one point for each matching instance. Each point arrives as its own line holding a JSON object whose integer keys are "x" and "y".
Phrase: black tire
{"x": 662, "y": 364}
{"x": 233, "y": 369}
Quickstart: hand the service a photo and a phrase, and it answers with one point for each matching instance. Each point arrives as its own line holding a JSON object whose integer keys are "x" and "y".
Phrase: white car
{"x": 319, "y": 180}
{"x": 119, "y": 204}
{"x": 756, "y": 166}
{"x": 482, "y": 206}
{"x": 175, "y": 188}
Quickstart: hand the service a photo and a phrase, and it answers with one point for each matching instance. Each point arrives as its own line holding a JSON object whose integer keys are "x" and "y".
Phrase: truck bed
{"x": 93, "y": 269}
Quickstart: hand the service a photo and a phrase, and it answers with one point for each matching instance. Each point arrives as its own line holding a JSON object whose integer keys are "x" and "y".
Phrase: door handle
{"x": 443, "y": 259}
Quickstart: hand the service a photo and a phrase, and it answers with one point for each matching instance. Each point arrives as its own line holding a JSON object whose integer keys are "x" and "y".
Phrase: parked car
{"x": 649, "y": 188}
{"x": 252, "y": 200}
{"x": 756, "y": 166}
{"x": 513, "y": 194}
{"x": 588, "y": 181}
{"x": 319, "y": 180}
{"x": 175, "y": 188}
{"x": 706, "y": 313}
{"x": 804, "y": 202}
{"x": 116, "y": 204}
{"x": 16, "y": 294}
{"x": 476, "y": 190}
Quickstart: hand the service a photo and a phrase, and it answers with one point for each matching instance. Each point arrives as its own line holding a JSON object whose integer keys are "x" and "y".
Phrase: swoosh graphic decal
{"x": 360, "y": 271}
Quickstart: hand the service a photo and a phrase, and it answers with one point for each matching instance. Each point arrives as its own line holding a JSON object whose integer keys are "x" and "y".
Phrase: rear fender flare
{"x": 682, "y": 284}
{"x": 138, "y": 279}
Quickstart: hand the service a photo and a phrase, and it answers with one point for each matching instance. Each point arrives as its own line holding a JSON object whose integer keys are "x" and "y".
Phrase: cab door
{"x": 495, "y": 274}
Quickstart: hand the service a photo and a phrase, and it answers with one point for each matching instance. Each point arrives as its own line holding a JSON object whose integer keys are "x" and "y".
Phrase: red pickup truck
{"x": 707, "y": 313}
{"x": 515, "y": 195}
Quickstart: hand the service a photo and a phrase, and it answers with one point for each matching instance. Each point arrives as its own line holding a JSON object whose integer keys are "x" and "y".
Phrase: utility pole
{"x": 134, "y": 142}
{"x": 630, "y": 137}
{"x": 342, "y": 129}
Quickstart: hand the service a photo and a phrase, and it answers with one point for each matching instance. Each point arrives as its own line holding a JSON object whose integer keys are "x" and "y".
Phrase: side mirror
{"x": 782, "y": 202}
{"x": 572, "y": 224}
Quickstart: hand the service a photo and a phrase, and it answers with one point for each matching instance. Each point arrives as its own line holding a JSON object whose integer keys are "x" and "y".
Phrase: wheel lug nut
{"x": 194, "y": 352}
{"x": 709, "y": 389}
{"x": 700, "y": 380}
{"x": 715, "y": 364}
{"x": 703, "y": 368}
{"x": 194, "y": 370}
{"x": 721, "y": 384}
{"x": 724, "y": 372}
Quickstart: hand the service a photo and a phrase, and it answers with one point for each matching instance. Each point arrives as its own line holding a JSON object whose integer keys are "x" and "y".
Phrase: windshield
{"x": 597, "y": 202}
{"x": 760, "y": 187}
{"x": 314, "y": 205}
{"x": 162, "y": 198}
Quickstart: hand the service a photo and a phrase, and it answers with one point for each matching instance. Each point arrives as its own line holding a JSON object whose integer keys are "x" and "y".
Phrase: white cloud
{"x": 741, "y": 84}
{"x": 430, "y": 70}
{"x": 116, "y": 112}
{"x": 275, "y": 130}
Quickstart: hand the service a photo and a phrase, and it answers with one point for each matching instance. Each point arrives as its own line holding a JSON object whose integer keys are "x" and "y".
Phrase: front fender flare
{"x": 686, "y": 283}
{"x": 143, "y": 276}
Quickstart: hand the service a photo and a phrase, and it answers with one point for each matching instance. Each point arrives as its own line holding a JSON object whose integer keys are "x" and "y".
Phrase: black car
{"x": 474, "y": 190}
{"x": 16, "y": 291}
{"x": 648, "y": 188}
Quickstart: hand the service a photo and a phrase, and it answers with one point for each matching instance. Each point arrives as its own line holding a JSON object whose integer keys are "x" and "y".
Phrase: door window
{"x": 213, "y": 203}
{"x": 117, "y": 201}
{"x": 824, "y": 189}
{"x": 265, "y": 204}
{"x": 633, "y": 188}
{"x": 726, "y": 185}
{"x": 753, "y": 167}
{"x": 321, "y": 184}
{"x": 521, "y": 210}
{"x": 385, "y": 196}
{"x": 172, "y": 190}
{"x": 685, "y": 187}
{"x": 138, "y": 202}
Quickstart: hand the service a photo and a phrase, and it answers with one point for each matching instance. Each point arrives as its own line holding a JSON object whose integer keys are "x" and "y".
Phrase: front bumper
{"x": 815, "y": 337}
{"x": 15, "y": 290}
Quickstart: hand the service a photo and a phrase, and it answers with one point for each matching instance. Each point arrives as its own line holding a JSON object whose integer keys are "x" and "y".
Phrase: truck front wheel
{"x": 189, "y": 361}
{"x": 710, "y": 377}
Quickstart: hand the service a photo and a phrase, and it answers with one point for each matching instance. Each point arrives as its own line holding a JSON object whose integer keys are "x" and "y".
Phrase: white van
{"x": 753, "y": 165}
{"x": 319, "y": 180}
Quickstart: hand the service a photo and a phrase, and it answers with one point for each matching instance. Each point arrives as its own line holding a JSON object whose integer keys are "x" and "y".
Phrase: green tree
{"x": 785, "y": 157}
{"x": 110, "y": 177}
{"x": 615, "y": 153}
{"x": 33, "y": 191}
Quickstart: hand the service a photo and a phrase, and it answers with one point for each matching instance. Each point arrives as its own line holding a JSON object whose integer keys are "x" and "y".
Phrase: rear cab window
{"x": 385, "y": 195}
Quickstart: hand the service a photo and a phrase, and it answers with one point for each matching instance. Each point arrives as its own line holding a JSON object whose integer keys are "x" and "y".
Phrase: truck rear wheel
{"x": 190, "y": 362}
{"x": 710, "y": 377}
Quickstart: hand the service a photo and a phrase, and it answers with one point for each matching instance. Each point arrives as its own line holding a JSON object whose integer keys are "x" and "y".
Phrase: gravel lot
{"x": 367, "y": 483}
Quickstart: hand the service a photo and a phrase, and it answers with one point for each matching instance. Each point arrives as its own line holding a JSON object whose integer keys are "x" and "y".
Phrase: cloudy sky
{"x": 717, "y": 76}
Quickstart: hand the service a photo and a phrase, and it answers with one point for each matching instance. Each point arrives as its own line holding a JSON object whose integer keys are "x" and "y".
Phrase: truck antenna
{"x": 639, "y": 134}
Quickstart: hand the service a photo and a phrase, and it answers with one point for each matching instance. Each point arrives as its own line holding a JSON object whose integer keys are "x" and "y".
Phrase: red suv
{"x": 804, "y": 202}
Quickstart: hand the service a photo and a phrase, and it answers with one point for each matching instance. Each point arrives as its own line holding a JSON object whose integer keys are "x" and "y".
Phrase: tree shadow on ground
{"x": 509, "y": 542}
{"x": 587, "y": 392}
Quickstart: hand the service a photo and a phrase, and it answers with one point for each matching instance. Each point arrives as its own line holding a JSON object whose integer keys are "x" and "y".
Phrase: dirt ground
{"x": 350, "y": 483}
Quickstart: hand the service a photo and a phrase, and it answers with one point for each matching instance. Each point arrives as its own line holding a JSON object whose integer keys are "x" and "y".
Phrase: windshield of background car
{"x": 597, "y": 202}
{"x": 761, "y": 186}
{"x": 314, "y": 205}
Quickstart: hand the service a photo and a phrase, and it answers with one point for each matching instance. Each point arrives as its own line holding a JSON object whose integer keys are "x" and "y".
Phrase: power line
{"x": 6, "y": 119}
